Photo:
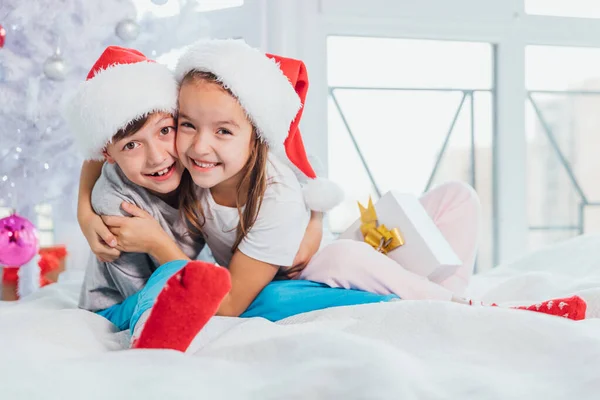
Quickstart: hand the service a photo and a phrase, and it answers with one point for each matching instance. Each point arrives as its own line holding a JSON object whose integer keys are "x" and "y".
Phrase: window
{"x": 45, "y": 224}
{"x": 564, "y": 8}
{"x": 562, "y": 136}
{"x": 407, "y": 114}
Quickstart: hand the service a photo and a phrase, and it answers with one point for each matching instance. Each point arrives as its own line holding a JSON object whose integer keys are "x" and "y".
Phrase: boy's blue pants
{"x": 278, "y": 300}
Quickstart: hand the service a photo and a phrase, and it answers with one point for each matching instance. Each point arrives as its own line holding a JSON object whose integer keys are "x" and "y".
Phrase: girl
{"x": 250, "y": 207}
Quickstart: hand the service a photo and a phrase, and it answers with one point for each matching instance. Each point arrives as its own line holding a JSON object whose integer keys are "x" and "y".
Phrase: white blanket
{"x": 402, "y": 350}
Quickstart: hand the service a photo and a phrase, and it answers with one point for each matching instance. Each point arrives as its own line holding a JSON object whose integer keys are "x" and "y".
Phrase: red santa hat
{"x": 272, "y": 90}
{"x": 122, "y": 86}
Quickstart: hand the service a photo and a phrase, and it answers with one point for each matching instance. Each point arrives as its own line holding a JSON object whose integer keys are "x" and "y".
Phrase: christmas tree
{"x": 48, "y": 50}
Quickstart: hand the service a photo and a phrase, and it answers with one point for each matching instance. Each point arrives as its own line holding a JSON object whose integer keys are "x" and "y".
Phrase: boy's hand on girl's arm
{"x": 309, "y": 246}
{"x": 141, "y": 233}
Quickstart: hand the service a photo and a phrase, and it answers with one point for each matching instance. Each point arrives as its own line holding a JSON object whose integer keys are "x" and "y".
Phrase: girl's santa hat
{"x": 272, "y": 90}
{"x": 122, "y": 86}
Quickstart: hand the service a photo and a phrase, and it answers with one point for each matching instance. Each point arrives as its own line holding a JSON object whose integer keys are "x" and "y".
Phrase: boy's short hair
{"x": 131, "y": 129}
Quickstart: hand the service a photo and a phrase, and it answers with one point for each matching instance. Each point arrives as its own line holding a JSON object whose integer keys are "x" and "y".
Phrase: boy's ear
{"x": 107, "y": 156}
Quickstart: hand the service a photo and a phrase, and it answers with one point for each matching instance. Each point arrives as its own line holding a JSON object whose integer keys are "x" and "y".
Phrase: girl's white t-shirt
{"x": 280, "y": 225}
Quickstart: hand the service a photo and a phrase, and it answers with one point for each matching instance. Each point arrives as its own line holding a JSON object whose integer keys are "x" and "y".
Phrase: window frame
{"x": 299, "y": 28}
{"x": 502, "y": 23}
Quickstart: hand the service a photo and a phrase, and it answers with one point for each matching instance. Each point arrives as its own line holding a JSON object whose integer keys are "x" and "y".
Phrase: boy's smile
{"x": 162, "y": 174}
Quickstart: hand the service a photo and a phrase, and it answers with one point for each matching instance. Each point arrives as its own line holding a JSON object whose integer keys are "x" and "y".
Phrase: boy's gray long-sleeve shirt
{"x": 107, "y": 284}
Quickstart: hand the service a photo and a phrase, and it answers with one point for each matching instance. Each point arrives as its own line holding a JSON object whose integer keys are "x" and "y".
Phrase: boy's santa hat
{"x": 272, "y": 90}
{"x": 122, "y": 86}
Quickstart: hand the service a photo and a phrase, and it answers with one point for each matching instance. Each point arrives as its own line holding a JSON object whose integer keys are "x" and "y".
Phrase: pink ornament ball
{"x": 18, "y": 241}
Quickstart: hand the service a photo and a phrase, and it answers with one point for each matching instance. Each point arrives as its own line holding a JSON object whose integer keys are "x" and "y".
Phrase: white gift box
{"x": 425, "y": 252}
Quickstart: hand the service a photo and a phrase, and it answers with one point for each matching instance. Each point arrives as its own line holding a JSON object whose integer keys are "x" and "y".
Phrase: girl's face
{"x": 148, "y": 158}
{"x": 213, "y": 135}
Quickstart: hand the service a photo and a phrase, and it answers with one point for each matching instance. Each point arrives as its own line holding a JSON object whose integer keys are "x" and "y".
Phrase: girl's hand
{"x": 101, "y": 240}
{"x": 308, "y": 247}
{"x": 139, "y": 233}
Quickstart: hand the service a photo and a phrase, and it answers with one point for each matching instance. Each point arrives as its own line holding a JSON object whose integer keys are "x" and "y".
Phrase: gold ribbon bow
{"x": 378, "y": 236}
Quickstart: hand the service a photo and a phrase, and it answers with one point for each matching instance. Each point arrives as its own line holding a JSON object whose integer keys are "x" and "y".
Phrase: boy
{"x": 123, "y": 114}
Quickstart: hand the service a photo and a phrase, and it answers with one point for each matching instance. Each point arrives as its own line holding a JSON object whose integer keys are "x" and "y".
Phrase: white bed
{"x": 402, "y": 350}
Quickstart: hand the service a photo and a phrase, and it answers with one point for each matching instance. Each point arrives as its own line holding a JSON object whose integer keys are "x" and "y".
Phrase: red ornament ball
{"x": 2, "y": 36}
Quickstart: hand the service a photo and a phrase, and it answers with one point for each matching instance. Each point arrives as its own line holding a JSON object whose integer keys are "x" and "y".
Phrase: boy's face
{"x": 214, "y": 134}
{"x": 148, "y": 157}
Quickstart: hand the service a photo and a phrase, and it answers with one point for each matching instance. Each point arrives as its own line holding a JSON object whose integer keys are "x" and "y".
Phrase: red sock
{"x": 572, "y": 307}
{"x": 186, "y": 303}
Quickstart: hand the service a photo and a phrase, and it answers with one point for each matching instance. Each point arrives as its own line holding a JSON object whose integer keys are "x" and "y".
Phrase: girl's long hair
{"x": 250, "y": 190}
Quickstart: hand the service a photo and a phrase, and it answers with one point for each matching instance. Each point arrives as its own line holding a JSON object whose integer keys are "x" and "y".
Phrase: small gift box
{"x": 51, "y": 264}
{"x": 400, "y": 227}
